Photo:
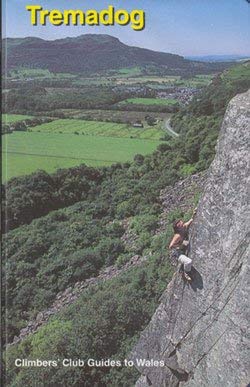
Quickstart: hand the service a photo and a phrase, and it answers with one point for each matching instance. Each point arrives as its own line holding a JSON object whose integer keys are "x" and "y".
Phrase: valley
{"x": 57, "y": 119}
{"x": 101, "y": 158}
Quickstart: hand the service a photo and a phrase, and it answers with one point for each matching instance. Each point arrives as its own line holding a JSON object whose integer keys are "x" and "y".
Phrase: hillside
{"x": 193, "y": 151}
{"x": 199, "y": 123}
{"x": 210, "y": 317}
{"x": 90, "y": 220}
{"x": 94, "y": 53}
{"x": 200, "y": 331}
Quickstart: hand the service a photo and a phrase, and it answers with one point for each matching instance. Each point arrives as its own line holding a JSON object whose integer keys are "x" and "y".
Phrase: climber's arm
{"x": 176, "y": 239}
{"x": 187, "y": 224}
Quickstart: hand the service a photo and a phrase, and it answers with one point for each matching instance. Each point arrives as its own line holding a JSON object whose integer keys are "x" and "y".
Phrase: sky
{"x": 184, "y": 27}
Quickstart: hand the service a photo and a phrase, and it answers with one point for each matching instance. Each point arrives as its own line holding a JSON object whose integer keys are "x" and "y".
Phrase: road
{"x": 169, "y": 129}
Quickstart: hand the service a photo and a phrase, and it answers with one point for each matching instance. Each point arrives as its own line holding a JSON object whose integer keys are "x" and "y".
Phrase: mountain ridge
{"x": 92, "y": 53}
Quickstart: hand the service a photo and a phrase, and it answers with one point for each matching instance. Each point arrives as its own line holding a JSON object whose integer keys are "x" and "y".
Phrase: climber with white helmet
{"x": 179, "y": 243}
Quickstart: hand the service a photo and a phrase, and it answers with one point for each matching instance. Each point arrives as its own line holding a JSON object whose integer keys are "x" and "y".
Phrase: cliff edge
{"x": 199, "y": 331}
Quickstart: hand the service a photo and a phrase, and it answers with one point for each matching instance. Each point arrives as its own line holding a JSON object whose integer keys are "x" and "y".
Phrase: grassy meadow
{"x": 235, "y": 73}
{"x": 12, "y": 118}
{"x": 98, "y": 128}
{"x": 149, "y": 101}
{"x": 91, "y": 125}
{"x": 23, "y": 73}
{"x": 198, "y": 81}
{"x": 114, "y": 116}
{"x": 29, "y": 151}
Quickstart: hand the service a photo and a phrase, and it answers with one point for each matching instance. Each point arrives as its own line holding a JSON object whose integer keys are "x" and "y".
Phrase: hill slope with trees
{"x": 198, "y": 124}
{"x": 93, "y": 53}
{"x": 83, "y": 234}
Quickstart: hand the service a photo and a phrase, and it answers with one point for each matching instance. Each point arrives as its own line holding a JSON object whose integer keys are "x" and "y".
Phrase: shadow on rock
{"x": 197, "y": 281}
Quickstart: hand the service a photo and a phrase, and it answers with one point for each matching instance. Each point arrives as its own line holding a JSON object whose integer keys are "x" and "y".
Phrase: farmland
{"x": 126, "y": 76}
{"x": 146, "y": 79}
{"x": 120, "y": 116}
{"x": 95, "y": 115}
{"x": 12, "y": 118}
{"x": 97, "y": 128}
{"x": 24, "y": 73}
{"x": 149, "y": 101}
{"x": 29, "y": 151}
{"x": 198, "y": 81}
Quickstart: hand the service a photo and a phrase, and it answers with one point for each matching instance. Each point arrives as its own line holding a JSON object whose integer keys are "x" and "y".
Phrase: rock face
{"x": 180, "y": 196}
{"x": 199, "y": 330}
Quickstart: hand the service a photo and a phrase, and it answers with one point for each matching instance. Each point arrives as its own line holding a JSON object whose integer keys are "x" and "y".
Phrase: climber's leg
{"x": 187, "y": 264}
{"x": 186, "y": 261}
{"x": 187, "y": 276}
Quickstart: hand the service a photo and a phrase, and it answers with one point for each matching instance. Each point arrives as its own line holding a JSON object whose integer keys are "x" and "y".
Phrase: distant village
{"x": 182, "y": 94}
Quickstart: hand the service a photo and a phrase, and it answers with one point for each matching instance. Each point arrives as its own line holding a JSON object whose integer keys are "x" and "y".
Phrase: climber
{"x": 179, "y": 244}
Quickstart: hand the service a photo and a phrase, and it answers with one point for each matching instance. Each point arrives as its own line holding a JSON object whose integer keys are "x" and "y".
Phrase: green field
{"x": 198, "y": 81}
{"x": 129, "y": 71}
{"x": 22, "y": 73}
{"x": 28, "y": 151}
{"x": 145, "y": 79}
{"x": 126, "y": 78}
{"x": 11, "y": 118}
{"x": 149, "y": 101}
{"x": 241, "y": 72}
{"x": 98, "y": 128}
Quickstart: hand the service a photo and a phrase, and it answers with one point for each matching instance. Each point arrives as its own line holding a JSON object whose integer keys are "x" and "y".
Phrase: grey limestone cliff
{"x": 199, "y": 330}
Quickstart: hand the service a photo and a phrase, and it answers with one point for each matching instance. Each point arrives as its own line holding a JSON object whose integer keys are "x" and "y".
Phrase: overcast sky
{"x": 185, "y": 27}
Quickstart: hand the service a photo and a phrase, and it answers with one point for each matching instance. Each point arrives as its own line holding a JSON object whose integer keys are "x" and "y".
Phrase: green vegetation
{"x": 24, "y": 73}
{"x": 104, "y": 54}
{"x": 192, "y": 151}
{"x": 149, "y": 101}
{"x": 103, "y": 324}
{"x": 117, "y": 116}
{"x": 237, "y": 73}
{"x": 198, "y": 81}
{"x": 39, "y": 98}
{"x": 145, "y": 80}
{"x": 130, "y": 71}
{"x": 81, "y": 233}
{"x": 11, "y": 118}
{"x": 16, "y": 122}
{"x": 15, "y": 164}
{"x": 21, "y": 73}
{"x": 74, "y": 243}
{"x": 199, "y": 122}
{"x": 98, "y": 128}
{"x": 29, "y": 151}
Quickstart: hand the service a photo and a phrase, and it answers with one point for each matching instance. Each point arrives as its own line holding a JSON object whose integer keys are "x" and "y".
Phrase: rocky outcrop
{"x": 180, "y": 196}
{"x": 198, "y": 334}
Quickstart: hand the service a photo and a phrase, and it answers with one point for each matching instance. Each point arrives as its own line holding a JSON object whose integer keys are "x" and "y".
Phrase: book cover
{"x": 125, "y": 176}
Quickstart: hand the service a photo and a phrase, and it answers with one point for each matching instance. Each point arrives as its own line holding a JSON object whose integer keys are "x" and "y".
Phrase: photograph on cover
{"x": 125, "y": 227}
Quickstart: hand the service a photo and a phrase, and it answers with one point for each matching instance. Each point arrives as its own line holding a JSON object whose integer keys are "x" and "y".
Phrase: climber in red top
{"x": 179, "y": 243}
